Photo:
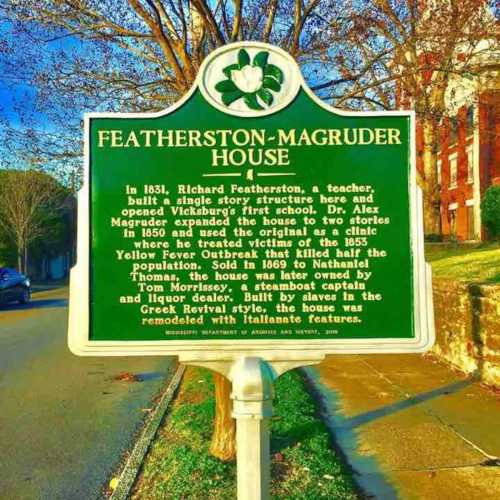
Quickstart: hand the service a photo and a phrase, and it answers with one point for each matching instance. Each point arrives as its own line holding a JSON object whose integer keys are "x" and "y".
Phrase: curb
{"x": 141, "y": 447}
{"x": 48, "y": 291}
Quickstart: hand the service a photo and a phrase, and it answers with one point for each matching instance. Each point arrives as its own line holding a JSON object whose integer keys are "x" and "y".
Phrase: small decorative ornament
{"x": 254, "y": 82}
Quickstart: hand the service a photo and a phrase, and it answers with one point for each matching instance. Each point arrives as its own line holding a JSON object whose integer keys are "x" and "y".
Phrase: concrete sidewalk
{"x": 410, "y": 427}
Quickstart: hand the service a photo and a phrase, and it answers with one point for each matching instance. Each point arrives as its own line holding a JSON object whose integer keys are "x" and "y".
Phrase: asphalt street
{"x": 65, "y": 422}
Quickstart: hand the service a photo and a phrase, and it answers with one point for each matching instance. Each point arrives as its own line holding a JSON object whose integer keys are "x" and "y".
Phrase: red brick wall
{"x": 463, "y": 190}
{"x": 490, "y": 138}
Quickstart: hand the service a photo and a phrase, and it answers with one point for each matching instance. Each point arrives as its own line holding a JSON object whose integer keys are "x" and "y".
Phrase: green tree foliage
{"x": 490, "y": 210}
{"x": 7, "y": 251}
{"x": 35, "y": 216}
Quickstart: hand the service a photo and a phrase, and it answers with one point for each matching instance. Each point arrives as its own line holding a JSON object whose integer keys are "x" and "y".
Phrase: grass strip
{"x": 471, "y": 263}
{"x": 304, "y": 466}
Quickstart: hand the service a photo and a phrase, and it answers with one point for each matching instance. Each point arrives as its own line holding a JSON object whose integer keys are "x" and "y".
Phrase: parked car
{"x": 14, "y": 286}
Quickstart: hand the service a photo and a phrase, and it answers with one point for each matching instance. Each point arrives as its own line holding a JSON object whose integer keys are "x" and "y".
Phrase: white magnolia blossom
{"x": 248, "y": 79}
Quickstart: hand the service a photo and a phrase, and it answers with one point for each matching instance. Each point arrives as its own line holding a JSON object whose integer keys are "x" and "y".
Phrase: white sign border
{"x": 271, "y": 349}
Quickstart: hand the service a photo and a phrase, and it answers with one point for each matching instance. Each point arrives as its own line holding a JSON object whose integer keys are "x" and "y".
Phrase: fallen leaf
{"x": 114, "y": 483}
{"x": 126, "y": 377}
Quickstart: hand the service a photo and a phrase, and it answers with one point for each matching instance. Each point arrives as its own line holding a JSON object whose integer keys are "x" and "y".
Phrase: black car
{"x": 14, "y": 286}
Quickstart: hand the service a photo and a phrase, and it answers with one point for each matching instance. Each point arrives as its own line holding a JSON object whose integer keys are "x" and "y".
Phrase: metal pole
{"x": 252, "y": 396}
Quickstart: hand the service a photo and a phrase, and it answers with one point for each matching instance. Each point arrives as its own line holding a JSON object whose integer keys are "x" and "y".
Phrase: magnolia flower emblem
{"x": 251, "y": 81}
{"x": 248, "y": 79}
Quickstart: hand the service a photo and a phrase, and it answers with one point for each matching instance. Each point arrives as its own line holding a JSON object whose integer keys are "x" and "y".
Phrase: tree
{"x": 7, "y": 251}
{"x": 413, "y": 53}
{"x": 28, "y": 201}
{"x": 128, "y": 55}
{"x": 490, "y": 210}
{"x": 137, "y": 55}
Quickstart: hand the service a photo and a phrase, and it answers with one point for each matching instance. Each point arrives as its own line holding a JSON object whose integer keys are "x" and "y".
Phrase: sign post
{"x": 252, "y": 381}
{"x": 250, "y": 229}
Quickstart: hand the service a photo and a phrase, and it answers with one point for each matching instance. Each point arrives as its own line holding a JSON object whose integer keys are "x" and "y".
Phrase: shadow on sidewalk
{"x": 364, "y": 418}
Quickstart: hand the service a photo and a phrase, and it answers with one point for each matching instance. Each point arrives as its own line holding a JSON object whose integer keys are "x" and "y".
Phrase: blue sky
{"x": 13, "y": 89}
{"x": 18, "y": 99}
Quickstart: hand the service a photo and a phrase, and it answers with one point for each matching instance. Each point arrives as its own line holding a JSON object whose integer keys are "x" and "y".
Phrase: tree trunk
{"x": 223, "y": 445}
{"x": 25, "y": 270}
{"x": 19, "y": 259}
{"x": 431, "y": 198}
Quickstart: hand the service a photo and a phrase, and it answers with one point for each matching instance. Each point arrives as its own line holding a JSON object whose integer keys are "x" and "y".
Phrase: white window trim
{"x": 474, "y": 123}
{"x": 455, "y": 142}
{"x": 453, "y": 157}
{"x": 469, "y": 151}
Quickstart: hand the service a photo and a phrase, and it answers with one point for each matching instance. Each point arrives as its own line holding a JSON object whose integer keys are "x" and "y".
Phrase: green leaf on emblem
{"x": 229, "y": 97}
{"x": 275, "y": 72}
{"x": 243, "y": 58}
{"x": 226, "y": 86}
{"x": 227, "y": 70}
{"x": 265, "y": 95}
{"x": 260, "y": 59}
{"x": 271, "y": 83}
{"x": 251, "y": 101}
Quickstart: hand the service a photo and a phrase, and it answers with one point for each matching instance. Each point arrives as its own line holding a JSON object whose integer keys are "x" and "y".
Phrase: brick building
{"x": 468, "y": 156}
{"x": 468, "y": 137}
{"x": 468, "y": 162}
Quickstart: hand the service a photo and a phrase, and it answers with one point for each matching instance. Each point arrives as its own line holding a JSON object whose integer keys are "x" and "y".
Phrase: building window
{"x": 470, "y": 220}
{"x": 452, "y": 209}
{"x": 438, "y": 170}
{"x": 453, "y": 131}
{"x": 469, "y": 122}
{"x": 453, "y": 171}
{"x": 470, "y": 164}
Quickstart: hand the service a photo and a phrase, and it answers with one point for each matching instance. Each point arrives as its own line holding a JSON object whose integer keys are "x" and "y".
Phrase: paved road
{"x": 64, "y": 421}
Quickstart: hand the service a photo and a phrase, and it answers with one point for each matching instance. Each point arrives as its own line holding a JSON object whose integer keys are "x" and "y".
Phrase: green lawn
{"x": 304, "y": 465}
{"x": 472, "y": 263}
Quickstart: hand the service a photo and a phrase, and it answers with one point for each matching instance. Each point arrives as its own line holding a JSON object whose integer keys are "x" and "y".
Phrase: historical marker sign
{"x": 250, "y": 217}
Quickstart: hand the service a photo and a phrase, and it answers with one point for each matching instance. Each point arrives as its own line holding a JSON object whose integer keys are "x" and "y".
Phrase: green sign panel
{"x": 251, "y": 211}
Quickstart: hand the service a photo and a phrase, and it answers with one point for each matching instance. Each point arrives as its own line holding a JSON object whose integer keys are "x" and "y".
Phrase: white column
{"x": 252, "y": 396}
{"x": 476, "y": 186}
{"x": 253, "y": 456}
